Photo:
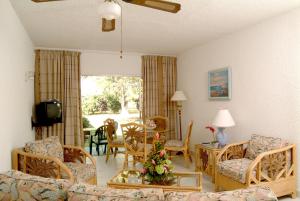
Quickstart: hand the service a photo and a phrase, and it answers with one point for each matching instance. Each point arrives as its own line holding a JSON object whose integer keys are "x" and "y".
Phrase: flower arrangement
{"x": 158, "y": 168}
{"x": 212, "y": 130}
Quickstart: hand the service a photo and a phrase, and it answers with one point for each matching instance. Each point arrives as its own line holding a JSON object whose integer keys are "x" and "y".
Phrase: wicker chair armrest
{"x": 40, "y": 165}
{"x": 269, "y": 159}
{"x": 75, "y": 154}
{"x": 231, "y": 151}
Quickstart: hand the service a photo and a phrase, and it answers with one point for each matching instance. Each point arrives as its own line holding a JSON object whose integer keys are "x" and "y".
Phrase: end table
{"x": 205, "y": 159}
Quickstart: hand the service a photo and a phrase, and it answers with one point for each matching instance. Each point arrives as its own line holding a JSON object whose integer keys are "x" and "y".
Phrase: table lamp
{"x": 223, "y": 120}
{"x": 179, "y": 97}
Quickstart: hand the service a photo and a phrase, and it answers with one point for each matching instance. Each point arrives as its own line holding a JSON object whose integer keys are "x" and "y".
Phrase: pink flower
{"x": 157, "y": 136}
{"x": 162, "y": 153}
{"x": 153, "y": 162}
{"x": 143, "y": 171}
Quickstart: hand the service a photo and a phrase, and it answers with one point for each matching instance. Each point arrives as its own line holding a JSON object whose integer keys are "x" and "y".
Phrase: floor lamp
{"x": 179, "y": 97}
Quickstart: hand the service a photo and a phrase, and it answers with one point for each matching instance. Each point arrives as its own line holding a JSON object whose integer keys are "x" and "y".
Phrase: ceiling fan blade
{"x": 108, "y": 25}
{"x": 157, "y": 4}
{"x": 41, "y": 1}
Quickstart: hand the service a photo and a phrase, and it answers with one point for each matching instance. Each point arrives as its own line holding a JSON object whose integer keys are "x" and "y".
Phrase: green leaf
{"x": 168, "y": 162}
{"x": 159, "y": 169}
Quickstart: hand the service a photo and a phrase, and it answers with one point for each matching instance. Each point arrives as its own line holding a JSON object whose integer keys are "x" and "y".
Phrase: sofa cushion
{"x": 15, "y": 185}
{"x": 250, "y": 194}
{"x": 235, "y": 168}
{"x": 259, "y": 144}
{"x": 47, "y": 147}
{"x": 81, "y": 171}
{"x": 82, "y": 191}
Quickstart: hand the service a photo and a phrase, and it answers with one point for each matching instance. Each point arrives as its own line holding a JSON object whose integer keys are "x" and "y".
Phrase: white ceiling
{"x": 75, "y": 24}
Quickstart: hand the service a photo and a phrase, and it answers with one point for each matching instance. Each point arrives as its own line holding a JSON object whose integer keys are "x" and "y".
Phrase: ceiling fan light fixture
{"x": 109, "y": 10}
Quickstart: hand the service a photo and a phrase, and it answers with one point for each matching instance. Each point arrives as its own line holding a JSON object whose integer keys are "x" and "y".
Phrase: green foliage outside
{"x": 86, "y": 123}
{"x": 113, "y": 103}
{"x": 115, "y": 94}
{"x": 94, "y": 104}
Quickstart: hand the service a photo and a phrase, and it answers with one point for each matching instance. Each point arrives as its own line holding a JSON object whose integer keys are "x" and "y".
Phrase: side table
{"x": 205, "y": 159}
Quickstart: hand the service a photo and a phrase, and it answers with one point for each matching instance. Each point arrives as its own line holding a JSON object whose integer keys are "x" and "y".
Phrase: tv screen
{"x": 54, "y": 111}
{"x": 49, "y": 112}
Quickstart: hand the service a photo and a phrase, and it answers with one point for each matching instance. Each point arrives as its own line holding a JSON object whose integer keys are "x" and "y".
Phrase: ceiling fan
{"x": 110, "y": 10}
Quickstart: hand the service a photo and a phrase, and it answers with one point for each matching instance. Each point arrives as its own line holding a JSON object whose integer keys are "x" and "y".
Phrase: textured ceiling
{"x": 75, "y": 24}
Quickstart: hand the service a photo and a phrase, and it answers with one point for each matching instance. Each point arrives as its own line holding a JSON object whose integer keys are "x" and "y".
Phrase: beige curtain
{"x": 57, "y": 76}
{"x": 159, "y": 75}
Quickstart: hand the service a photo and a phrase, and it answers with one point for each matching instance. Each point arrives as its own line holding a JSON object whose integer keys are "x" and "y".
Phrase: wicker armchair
{"x": 48, "y": 158}
{"x": 262, "y": 161}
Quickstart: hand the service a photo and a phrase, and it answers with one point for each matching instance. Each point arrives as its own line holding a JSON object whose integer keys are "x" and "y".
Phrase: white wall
{"x": 99, "y": 63}
{"x": 16, "y": 57}
{"x": 265, "y": 63}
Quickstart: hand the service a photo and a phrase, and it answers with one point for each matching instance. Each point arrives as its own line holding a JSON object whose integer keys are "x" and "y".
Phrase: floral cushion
{"x": 15, "y": 185}
{"x": 47, "y": 147}
{"x": 81, "y": 171}
{"x": 259, "y": 144}
{"x": 174, "y": 143}
{"x": 250, "y": 194}
{"x": 235, "y": 169}
{"x": 91, "y": 192}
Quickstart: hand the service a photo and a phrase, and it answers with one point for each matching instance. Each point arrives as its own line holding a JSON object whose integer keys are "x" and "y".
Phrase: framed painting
{"x": 219, "y": 84}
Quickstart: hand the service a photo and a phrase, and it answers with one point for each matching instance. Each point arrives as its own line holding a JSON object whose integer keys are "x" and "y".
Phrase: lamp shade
{"x": 223, "y": 119}
{"x": 109, "y": 10}
{"x": 178, "y": 96}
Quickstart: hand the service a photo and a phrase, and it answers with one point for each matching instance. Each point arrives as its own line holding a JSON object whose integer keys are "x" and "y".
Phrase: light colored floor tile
{"x": 105, "y": 171}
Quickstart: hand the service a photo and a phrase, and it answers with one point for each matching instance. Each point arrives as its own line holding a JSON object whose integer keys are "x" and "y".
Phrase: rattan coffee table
{"x": 130, "y": 179}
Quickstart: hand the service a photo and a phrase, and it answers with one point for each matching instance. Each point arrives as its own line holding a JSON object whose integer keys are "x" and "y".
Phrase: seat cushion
{"x": 91, "y": 192}
{"x": 118, "y": 141}
{"x": 250, "y": 194}
{"x": 141, "y": 147}
{"x": 174, "y": 143}
{"x": 47, "y": 147}
{"x": 15, "y": 185}
{"x": 235, "y": 169}
{"x": 82, "y": 172}
{"x": 259, "y": 144}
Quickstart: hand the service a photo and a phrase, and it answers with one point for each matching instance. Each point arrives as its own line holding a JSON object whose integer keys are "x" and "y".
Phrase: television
{"x": 48, "y": 113}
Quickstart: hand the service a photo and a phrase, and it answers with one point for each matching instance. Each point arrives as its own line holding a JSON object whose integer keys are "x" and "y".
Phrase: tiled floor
{"x": 107, "y": 170}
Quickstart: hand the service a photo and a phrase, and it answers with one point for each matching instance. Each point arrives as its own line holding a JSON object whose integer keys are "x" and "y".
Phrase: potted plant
{"x": 158, "y": 168}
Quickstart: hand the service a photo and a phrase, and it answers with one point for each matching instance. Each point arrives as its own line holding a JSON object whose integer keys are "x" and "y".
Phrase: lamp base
{"x": 221, "y": 137}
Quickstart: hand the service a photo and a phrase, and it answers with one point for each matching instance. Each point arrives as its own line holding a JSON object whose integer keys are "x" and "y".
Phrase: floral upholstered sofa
{"x": 15, "y": 185}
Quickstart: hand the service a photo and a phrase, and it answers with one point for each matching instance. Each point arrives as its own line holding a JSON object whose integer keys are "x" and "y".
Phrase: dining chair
{"x": 183, "y": 146}
{"x": 99, "y": 138}
{"x": 113, "y": 141}
{"x": 135, "y": 142}
{"x": 161, "y": 126}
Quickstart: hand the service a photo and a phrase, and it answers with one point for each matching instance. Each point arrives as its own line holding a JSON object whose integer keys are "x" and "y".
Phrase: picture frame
{"x": 219, "y": 84}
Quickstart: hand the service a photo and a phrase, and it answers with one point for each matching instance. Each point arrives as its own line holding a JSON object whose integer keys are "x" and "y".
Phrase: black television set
{"x": 48, "y": 113}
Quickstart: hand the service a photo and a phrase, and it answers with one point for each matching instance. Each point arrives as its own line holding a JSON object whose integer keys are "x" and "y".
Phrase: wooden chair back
{"x": 188, "y": 134}
{"x": 162, "y": 123}
{"x": 135, "y": 139}
{"x": 110, "y": 126}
